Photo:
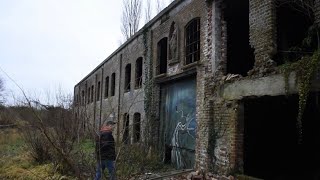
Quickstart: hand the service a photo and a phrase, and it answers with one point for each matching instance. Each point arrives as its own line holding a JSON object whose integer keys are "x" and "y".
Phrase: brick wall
{"x": 262, "y": 19}
{"x": 204, "y": 90}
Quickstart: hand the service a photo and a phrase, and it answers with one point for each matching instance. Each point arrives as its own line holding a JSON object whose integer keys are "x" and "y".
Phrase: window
{"x": 98, "y": 91}
{"x": 89, "y": 93}
{"x": 113, "y": 84}
{"x": 193, "y": 41}
{"x": 138, "y": 82}
{"x": 106, "y": 87}
{"x": 127, "y": 80}
{"x": 92, "y": 89}
{"x": 240, "y": 54}
{"x": 136, "y": 126}
{"x": 162, "y": 56}
{"x": 83, "y": 98}
{"x": 125, "y": 138}
{"x": 291, "y": 37}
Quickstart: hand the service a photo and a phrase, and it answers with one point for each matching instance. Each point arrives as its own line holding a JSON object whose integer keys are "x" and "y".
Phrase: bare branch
{"x": 148, "y": 11}
{"x": 1, "y": 91}
{"x": 159, "y": 5}
{"x": 130, "y": 19}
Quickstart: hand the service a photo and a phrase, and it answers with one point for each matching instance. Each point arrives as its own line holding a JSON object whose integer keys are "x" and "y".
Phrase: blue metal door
{"x": 178, "y": 120}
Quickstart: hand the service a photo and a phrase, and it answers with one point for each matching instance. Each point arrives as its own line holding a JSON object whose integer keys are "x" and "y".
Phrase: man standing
{"x": 105, "y": 151}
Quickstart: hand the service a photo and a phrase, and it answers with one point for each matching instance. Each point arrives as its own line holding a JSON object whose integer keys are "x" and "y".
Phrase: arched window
{"x": 106, "y": 87}
{"x": 92, "y": 92}
{"x": 125, "y": 137}
{"x": 136, "y": 127}
{"x": 173, "y": 43}
{"x": 83, "y": 97}
{"x": 138, "y": 83}
{"x": 98, "y": 91}
{"x": 89, "y": 94}
{"x": 192, "y": 41}
{"x": 127, "y": 80}
{"x": 113, "y": 84}
{"x": 162, "y": 56}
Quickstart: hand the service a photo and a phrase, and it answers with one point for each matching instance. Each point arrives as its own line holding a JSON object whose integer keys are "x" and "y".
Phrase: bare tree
{"x": 159, "y": 5}
{"x": 148, "y": 11}
{"x": 131, "y": 15}
{"x": 1, "y": 91}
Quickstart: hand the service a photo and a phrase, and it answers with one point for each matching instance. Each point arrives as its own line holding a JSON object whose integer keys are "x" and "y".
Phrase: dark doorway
{"x": 271, "y": 148}
{"x": 240, "y": 55}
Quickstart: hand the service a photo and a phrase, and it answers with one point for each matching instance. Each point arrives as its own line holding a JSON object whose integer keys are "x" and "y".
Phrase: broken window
{"x": 136, "y": 126}
{"x": 106, "y": 87}
{"x": 127, "y": 79}
{"x": 162, "y": 56}
{"x": 98, "y": 91}
{"x": 294, "y": 20}
{"x": 173, "y": 43}
{"x": 125, "y": 138}
{"x": 193, "y": 41}
{"x": 138, "y": 82}
{"x": 113, "y": 84}
{"x": 240, "y": 55}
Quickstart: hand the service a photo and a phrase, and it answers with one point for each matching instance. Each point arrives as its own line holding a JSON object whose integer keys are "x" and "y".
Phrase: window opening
{"x": 127, "y": 80}
{"x": 138, "y": 83}
{"x": 106, "y": 88}
{"x": 136, "y": 125}
{"x": 113, "y": 84}
{"x": 193, "y": 41}
{"x": 162, "y": 56}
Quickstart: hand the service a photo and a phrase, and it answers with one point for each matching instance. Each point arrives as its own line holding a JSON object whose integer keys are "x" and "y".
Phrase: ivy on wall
{"x": 305, "y": 70}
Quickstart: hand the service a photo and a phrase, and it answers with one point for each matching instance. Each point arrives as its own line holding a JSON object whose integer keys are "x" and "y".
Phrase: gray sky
{"x": 46, "y": 45}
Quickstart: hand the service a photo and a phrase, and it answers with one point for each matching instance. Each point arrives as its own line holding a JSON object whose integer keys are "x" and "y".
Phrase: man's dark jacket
{"x": 105, "y": 146}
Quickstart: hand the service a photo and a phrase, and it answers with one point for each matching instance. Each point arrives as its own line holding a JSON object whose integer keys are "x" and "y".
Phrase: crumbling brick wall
{"x": 262, "y": 17}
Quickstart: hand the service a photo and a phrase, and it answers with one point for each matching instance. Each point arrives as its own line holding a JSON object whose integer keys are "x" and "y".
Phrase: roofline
{"x": 146, "y": 26}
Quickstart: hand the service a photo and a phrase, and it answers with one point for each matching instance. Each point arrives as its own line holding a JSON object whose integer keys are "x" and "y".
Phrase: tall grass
{"x": 16, "y": 161}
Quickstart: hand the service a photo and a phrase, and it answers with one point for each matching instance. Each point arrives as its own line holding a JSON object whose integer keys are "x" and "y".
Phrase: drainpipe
{"x": 119, "y": 91}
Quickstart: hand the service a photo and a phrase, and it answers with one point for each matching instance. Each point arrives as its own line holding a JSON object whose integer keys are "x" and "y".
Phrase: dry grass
{"x": 16, "y": 162}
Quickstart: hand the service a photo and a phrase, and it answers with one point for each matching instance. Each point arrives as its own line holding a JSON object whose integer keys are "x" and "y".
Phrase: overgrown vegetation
{"x": 17, "y": 163}
{"x": 305, "y": 70}
{"x": 56, "y": 145}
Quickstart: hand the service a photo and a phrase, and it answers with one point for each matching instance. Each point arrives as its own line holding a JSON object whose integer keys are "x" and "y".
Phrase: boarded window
{"x": 127, "y": 80}
{"x": 193, "y": 41}
{"x": 113, "y": 84}
{"x": 138, "y": 82}
{"x": 136, "y": 127}
{"x": 106, "y": 87}
{"x": 162, "y": 56}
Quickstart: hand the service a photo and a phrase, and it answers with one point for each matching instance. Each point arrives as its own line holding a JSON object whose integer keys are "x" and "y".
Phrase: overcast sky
{"x": 50, "y": 44}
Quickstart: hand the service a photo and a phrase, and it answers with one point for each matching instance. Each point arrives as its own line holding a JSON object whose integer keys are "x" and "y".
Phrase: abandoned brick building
{"x": 209, "y": 78}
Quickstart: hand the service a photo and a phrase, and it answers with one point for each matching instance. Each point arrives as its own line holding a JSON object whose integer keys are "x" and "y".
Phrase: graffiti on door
{"x": 178, "y": 116}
